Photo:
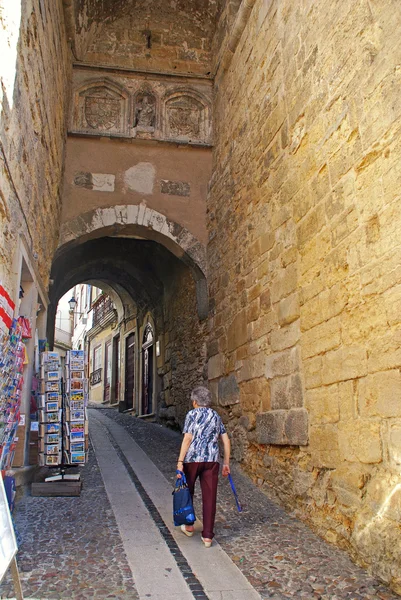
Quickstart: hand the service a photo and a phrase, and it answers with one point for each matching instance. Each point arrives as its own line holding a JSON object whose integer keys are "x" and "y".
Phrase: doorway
{"x": 129, "y": 371}
{"x": 116, "y": 370}
{"x": 147, "y": 370}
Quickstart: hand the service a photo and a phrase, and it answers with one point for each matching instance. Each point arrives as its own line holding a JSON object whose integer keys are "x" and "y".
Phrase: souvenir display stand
{"x": 63, "y": 423}
{"x": 12, "y": 359}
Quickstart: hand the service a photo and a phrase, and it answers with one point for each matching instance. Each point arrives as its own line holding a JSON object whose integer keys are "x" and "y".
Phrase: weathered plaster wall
{"x": 167, "y": 178}
{"x": 33, "y": 125}
{"x": 32, "y": 129}
{"x": 184, "y": 348}
{"x": 304, "y": 218}
{"x": 156, "y": 35}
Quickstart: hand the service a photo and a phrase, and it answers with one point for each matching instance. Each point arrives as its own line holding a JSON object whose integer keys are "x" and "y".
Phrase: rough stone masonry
{"x": 304, "y": 265}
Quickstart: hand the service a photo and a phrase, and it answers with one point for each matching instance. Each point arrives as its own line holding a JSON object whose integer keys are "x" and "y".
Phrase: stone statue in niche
{"x": 184, "y": 116}
{"x": 145, "y": 112}
{"x": 102, "y": 109}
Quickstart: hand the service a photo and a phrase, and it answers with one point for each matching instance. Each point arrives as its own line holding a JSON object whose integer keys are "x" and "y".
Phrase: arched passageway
{"x": 155, "y": 350}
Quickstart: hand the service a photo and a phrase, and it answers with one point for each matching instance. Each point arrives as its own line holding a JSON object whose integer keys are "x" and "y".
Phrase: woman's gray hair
{"x": 201, "y": 396}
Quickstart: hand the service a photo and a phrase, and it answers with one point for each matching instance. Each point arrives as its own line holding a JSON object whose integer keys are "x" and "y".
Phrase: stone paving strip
{"x": 153, "y": 570}
{"x": 71, "y": 547}
{"x": 279, "y": 555}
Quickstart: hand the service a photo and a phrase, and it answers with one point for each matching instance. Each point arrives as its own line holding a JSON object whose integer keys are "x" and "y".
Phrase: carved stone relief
{"x": 147, "y": 109}
{"x": 102, "y": 109}
{"x": 184, "y": 116}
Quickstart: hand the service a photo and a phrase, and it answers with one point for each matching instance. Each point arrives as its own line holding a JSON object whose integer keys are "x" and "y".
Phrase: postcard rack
{"x": 63, "y": 422}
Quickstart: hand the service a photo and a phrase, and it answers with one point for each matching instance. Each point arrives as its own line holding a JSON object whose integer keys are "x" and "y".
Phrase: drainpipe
{"x": 240, "y": 22}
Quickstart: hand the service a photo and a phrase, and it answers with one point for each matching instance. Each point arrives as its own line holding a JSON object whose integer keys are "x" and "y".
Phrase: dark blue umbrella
{"x": 237, "y": 502}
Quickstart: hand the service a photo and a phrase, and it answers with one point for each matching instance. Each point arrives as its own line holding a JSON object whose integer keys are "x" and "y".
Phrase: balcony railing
{"x": 101, "y": 308}
{"x": 95, "y": 377}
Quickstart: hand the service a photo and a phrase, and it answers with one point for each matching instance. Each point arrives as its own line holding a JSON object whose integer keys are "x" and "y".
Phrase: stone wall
{"x": 32, "y": 129}
{"x": 184, "y": 348}
{"x": 157, "y": 35}
{"x": 305, "y": 282}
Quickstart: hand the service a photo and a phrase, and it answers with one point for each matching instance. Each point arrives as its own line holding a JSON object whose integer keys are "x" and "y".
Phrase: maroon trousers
{"x": 208, "y": 473}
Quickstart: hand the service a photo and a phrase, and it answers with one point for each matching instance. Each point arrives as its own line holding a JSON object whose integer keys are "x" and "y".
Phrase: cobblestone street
{"x": 72, "y": 548}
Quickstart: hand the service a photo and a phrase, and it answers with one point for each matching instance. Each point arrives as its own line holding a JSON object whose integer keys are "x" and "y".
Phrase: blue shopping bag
{"x": 183, "y": 510}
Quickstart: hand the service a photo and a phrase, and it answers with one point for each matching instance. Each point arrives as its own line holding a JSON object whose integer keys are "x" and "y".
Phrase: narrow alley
{"x": 117, "y": 540}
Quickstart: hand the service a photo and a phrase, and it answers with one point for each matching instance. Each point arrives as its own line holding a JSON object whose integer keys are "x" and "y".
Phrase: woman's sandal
{"x": 207, "y": 543}
{"x": 188, "y": 533}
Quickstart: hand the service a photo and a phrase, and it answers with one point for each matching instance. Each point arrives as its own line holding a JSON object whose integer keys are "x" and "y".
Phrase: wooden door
{"x": 129, "y": 370}
{"x": 147, "y": 371}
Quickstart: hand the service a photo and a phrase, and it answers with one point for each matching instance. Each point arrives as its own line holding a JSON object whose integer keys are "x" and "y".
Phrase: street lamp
{"x": 72, "y": 303}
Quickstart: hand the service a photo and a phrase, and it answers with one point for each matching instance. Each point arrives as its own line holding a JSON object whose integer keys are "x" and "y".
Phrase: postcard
{"x": 52, "y": 376}
{"x": 52, "y": 396}
{"x": 77, "y": 415}
{"x": 52, "y": 459}
{"x": 52, "y": 428}
{"x": 77, "y": 427}
{"x": 77, "y": 384}
{"x": 77, "y": 365}
{"x": 77, "y": 354}
{"x": 52, "y": 386}
{"x": 77, "y": 457}
{"x": 52, "y": 449}
{"x": 77, "y": 374}
{"x": 50, "y": 356}
{"x": 52, "y": 417}
{"x": 76, "y": 405}
{"x": 52, "y": 438}
{"x": 51, "y": 406}
{"x": 76, "y": 436}
{"x": 77, "y": 446}
{"x": 77, "y": 395}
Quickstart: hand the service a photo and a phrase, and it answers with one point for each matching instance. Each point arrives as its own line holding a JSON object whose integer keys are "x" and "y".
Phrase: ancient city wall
{"x": 156, "y": 35}
{"x": 33, "y": 125}
{"x": 304, "y": 265}
{"x": 184, "y": 348}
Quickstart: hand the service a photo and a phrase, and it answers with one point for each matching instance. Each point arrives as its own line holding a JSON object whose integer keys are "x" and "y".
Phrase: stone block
{"x": 324, "y": 445}
{"x": 228, "y": 391}
{"x": 322, "y": 338}
{"x": 286, "y": 392}
{"x": 347, "y": 401}
{"x": 284, "y": 283}
{"x": 360, "y": 441}
{"x": 239, "y": 443}
{"x": 296, "y": 427}
{"x": 263, "y": 325}
{"x": 285, "y": 337}
{"x": 322, "y": 404}
{"x": 313, "y": 372}
{"x": 237, "y": 333}
{"x": 215, "y": 366}
{"x": 345, "y": 363}
{"x": 379, "y": 395}
{"x": 288, "y": 310}
{"x": 175, "y": 188}
{"x": 302, "y": 482}
{"x": 270, "y": 427}
{"x": 283, "y": 363}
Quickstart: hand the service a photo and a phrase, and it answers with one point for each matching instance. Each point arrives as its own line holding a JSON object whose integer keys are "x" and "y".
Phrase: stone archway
{"x": 139, "y": 221}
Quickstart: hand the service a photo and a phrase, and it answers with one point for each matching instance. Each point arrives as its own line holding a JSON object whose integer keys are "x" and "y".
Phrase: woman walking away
{"x": 199, "y": 457}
